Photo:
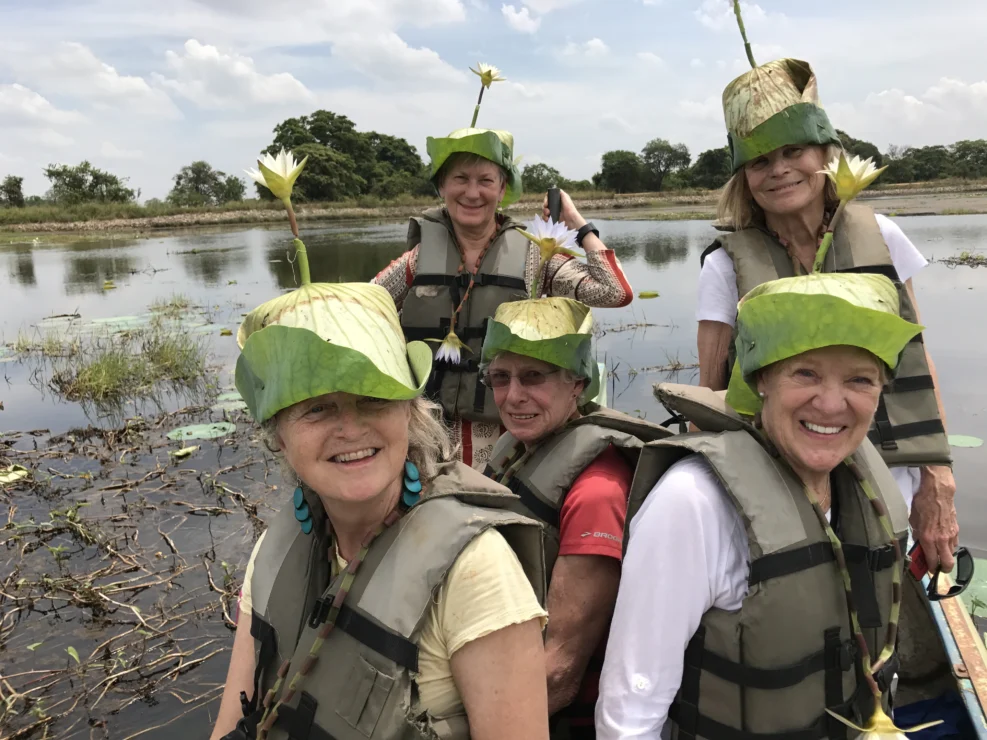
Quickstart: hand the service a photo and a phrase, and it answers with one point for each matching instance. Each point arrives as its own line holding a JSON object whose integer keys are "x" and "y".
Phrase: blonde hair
{"x": 736, "y": 208}
{"x": 429, "y": 445}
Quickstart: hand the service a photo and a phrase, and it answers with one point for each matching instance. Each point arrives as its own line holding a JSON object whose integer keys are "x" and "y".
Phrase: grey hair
{"x": 464, "y": 159}
{"x": 736, "y": 207}
{"x": 429, "y": 443}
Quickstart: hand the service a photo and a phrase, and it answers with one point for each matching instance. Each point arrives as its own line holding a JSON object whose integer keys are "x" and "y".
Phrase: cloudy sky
{"x": 142, "y": 88}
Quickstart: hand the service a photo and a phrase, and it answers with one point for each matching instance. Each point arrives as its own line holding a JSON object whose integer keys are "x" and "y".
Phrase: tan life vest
{"x": 907, "y": 428}
{"x": 769, "y": 670}
{"x": 437, "y": 290}
{"x": 544, "y": 476}
{"x": 362, "y": 685}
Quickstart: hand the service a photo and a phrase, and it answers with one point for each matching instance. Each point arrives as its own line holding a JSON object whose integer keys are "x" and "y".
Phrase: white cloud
{"x": 651, "y": 58}
{"x": 47, "y": 138}
{"x": 21, "y": 106}
{"x": 520, "y": 20}
{"x": 593, "y": 49}
{"x": 707, "y": 110}
{"x": 613, "y": 122}
{"x": 112, "y": 151}
{"x": 696, "y": 63}
{"x": 386, "y": 56}
{"x": 73, "y": 69}
{"x": 214, "y": 79}
{"x": 718, "y": 15}
{"x": 547, "y": 6}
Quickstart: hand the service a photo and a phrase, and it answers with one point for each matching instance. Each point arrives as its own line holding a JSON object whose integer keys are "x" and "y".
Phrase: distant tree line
{"x": 344, "y": 164}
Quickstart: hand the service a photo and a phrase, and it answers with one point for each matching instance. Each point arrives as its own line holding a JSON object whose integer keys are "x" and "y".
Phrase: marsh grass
{"x": 48, "y": 344}
{"x": 132, "y": 364}
{"x": 176, "y": 304}
{"x": 966, "y": 259}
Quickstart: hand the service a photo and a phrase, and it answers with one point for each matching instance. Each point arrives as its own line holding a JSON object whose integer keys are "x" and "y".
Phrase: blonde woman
{"x": 393, "y": 596}
{"x": 775, "y": 210}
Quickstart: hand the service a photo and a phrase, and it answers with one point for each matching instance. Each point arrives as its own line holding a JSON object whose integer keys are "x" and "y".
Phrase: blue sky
{"x": 142, "y": 88}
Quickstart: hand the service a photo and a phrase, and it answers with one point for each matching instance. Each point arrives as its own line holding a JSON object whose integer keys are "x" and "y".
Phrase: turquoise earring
{"x": 302, "y": 512}
{"x": 412, "y": 489}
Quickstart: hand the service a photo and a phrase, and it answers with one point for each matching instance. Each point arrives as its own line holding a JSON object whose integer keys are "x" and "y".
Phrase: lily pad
{"x": 122, "y": 322}
{"x": 229, "y": 396}
{"x": 203, "y": 431}
{"x": 648, "y": 294}
{"x": 963, "y": 440}
{"x": 13, "y": 473}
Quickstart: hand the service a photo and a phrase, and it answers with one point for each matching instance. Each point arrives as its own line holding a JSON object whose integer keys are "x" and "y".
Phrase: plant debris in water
{"x": 121, "y": 566}
{"x": 967, "y": 259}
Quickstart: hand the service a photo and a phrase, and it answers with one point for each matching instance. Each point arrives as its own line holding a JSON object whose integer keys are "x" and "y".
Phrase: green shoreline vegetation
{"x": 352, "y": 174}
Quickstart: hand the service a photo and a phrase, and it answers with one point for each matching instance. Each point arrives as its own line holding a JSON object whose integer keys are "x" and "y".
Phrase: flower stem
{"x": 743, "y": 34}
{"x": 476, "y": 110}
{"x": 301, "y": 254}
{"x": 827, "y": 241}
{"x": 291, "y": 217}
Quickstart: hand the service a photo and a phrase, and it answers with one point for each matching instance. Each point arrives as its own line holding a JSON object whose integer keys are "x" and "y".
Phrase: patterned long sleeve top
{"x": 599, "y": 282}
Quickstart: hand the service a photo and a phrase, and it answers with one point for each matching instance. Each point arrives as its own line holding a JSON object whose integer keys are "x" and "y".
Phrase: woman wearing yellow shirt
{"x": 394, "y": 596}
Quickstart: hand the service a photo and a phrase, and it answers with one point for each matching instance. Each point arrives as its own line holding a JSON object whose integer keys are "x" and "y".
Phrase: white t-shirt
{"x": 718, "y": 299}
{"x": 687, "y": 553}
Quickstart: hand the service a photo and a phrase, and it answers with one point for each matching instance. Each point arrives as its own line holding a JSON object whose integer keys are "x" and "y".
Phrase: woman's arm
{"x": 933, "y": 515}
{"x": 713, "y": 339}
{"x": 239, "y": 677}
{"x": 501, "y": 678}
{"x": 600, "y": 282}
{"x": 397, "y": 277}
{"x": 687, "y": 553}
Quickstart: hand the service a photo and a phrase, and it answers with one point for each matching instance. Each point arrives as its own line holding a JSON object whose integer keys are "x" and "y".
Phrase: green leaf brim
{"x": 573, "y": 352}
{"x": 485, "y": 144}
{"x": 777, "y": 326}
{"x": 802, "y": 123}
{"x": 282, "y": 365}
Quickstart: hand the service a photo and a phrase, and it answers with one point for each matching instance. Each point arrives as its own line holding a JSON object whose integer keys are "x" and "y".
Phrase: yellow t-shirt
{"x": 484, "y": 591}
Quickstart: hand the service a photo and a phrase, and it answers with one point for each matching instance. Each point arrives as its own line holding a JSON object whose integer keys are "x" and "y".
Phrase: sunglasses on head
{"x": 502, "y": 379}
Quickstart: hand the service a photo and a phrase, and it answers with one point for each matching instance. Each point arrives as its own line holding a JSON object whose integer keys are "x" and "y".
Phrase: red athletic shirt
{"x": 592, "y": 523}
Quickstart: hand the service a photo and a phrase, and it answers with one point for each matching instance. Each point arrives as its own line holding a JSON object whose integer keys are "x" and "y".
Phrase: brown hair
{"x": 464, "y": 159}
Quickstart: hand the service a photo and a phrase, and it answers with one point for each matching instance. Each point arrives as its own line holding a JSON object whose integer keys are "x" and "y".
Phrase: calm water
{"x": 229, "y": 272}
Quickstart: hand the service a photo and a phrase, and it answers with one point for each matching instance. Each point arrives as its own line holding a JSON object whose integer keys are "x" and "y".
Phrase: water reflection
{"x": 86, "y": 273}
{"x": 20, "y": 266}
{"x": 211, "y": 266}
{"x": 332, "y": 259}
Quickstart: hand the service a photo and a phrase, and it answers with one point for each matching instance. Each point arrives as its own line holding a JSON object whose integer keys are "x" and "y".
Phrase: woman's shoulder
{"x": 691, "y": 491}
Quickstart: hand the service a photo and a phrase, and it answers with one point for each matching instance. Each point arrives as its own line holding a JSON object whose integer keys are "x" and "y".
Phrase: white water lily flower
{"x": 278, "y": 174}
{"x": 550, "y": 237}
{"x": 451, "y": 349}
{"x": 488, "y": 74}
{"x": 851, "y": 176}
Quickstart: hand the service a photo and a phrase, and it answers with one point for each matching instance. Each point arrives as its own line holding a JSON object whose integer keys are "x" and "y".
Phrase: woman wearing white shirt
{"x": 776, "y": 208}
{"x": 732, "y": 618}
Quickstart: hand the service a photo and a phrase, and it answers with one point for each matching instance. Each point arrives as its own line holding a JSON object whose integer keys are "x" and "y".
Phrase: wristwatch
{"x": 584, "y": 230}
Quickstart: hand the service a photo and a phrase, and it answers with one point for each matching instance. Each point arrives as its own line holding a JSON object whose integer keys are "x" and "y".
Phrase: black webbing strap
{"x": 882, "y": 428}
{"x": 864, "y": 590}
{"x": 785, "y": 563}
{"x": 299, "y": 722}
{"x": 774, "y": 678}
{"x": 264, "y": 633}
{"x": 885, "y": 675}
{"x": 710, "y": 728}
{"x": 906, "y": 431}
{"x": 792, "y": 561}
{"x": 462, "y": 281}
{"x": 382, "y": 641}
{"x": 888, "y": 271}
{"x": 685, "y": 709}
{"x": 480, "y": 392}
{"x": 707, "y": 252}
{"x": 434, "y": 384}
{"x": 465, "y": 366}
{"x": 536, "y": 506}
{"x": 909, "y": 384}
{"x": 838, "y": 660}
